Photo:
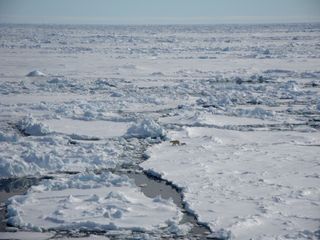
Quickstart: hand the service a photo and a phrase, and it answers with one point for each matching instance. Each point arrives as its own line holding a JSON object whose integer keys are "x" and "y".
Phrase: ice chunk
{"x": 36, "y": 73}
{"x": 291, "y": 86}
{"x": 146, "y": 128}
{"x": 57, "y": 81}
{"x": 157, "y": 74}
{"x": 179, "y": 230}
{"x": 30, "y": 126}
{"x": 221, "y": 234}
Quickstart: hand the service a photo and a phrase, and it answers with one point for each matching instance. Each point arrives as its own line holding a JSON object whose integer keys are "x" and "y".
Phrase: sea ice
{"x": 245, "y": 183}
{"x": 90, "y": 202}
{"x": 242, "y": 101}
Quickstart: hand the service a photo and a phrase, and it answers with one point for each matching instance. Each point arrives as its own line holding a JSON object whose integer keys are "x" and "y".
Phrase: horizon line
{"x": 159, "y": 24}
{"x": 167, "y": 20}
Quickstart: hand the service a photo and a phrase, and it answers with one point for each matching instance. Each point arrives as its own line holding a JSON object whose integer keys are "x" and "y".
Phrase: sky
{"x": 158, "y": 11}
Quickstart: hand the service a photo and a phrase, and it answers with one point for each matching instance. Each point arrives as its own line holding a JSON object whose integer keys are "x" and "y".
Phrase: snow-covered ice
{"x": 90, "y": 202}
{"x": 26, "y": 235}
{"x": 241, "y": 104}
{"x": 245, "y": 182}
{"x": 89, "y": 129}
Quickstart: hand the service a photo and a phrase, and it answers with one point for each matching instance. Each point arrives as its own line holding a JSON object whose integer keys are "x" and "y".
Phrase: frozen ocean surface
{"x": 227, "y": 115}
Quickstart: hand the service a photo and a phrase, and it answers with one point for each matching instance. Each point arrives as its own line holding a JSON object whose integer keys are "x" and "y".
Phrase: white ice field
{"x": 242, "y": 103}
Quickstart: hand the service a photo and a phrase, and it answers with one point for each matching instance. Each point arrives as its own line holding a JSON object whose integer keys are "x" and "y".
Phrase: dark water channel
{"x": 152, "y": 186}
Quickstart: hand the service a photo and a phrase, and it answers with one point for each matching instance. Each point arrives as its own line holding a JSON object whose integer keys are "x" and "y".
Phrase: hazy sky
{"x": 158, "y": 11}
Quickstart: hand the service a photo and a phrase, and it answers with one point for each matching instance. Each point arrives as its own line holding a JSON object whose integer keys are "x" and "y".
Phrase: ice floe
{"x": 90, "y": 202}
{"x": 246, "y": 182}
